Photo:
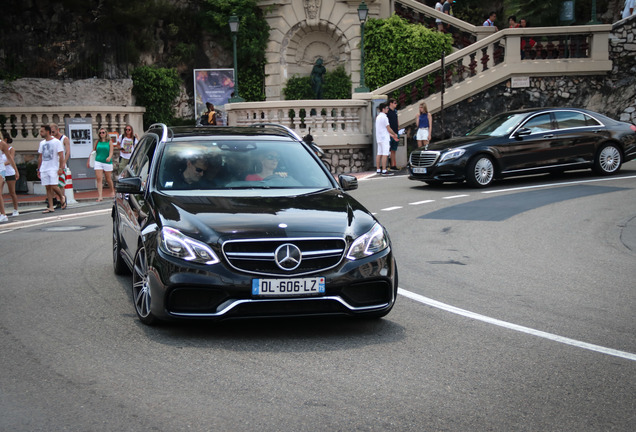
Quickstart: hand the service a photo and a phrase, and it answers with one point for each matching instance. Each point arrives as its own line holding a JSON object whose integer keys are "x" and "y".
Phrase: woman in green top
{"x": 103, "y": 149}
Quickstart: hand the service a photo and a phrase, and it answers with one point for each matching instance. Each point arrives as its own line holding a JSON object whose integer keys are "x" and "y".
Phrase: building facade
{"x": 303, "y": 31}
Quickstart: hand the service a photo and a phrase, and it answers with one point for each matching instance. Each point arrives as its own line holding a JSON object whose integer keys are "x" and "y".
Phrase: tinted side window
{"x": 141, "y": 154}
{"x": 572, "y": 119}
{"x": 540, "y": 123}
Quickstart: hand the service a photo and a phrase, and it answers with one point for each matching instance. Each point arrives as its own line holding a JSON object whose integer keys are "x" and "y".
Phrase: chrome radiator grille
{"x": 424, "y": 159}
{"x": 264, "y": 257}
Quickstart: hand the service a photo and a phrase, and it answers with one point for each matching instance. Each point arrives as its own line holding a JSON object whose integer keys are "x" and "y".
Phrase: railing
{"x": 463, "y": 33}
{"x": 23, "y": 123}
{"x": 332, "y": 122}
{"x": 545, "y": 51}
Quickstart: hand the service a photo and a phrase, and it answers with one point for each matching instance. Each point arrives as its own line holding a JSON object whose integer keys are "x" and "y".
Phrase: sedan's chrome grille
{"x": 424, "y": 159}
{"x": 259, "y": 256}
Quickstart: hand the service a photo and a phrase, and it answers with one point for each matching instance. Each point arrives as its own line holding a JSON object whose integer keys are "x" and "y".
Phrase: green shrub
{"x": 156, "y": 89}
{"x": 337, "y": 85}
{"x": 394, "y": 48}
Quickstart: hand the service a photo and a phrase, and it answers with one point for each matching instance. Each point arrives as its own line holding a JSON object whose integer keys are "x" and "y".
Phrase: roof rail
{"x": 281, "y": 127}
{"x": 164, "y": 128}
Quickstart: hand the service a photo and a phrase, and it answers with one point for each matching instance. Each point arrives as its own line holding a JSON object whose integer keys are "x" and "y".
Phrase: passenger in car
{"x": 266, "y": 166}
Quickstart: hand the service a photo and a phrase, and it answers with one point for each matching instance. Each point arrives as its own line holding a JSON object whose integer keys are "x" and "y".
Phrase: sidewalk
{"x": 31, "y": 200}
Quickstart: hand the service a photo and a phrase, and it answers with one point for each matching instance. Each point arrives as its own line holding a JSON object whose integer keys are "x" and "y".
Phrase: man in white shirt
{"x": 383, "y": 135}
{"x": 629, "y": 8}
{"x": 50, "y": 166}
{"x": 490, "y": 22}
{"x": 66, "y": 145}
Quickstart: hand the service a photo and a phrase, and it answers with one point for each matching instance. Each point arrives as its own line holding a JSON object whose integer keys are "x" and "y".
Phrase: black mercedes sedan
{"x": 218, "y": 222}
{"x": 527, "y": 142}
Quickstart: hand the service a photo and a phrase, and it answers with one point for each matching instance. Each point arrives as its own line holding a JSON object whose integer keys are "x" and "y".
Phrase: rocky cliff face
{"x": 50, "y": 92}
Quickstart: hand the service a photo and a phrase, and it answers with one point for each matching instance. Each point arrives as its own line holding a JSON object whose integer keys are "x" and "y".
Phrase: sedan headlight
{"x": 452, "y": 154}
{"x": 372, "y": 242}
{"x": 174, "y": 243}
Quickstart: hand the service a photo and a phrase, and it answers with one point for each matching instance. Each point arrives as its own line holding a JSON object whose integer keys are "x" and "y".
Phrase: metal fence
{"x": 90, "y": 57}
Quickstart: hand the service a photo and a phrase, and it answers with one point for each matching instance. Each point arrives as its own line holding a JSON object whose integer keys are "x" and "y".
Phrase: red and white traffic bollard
{"x": 68, "y": 187}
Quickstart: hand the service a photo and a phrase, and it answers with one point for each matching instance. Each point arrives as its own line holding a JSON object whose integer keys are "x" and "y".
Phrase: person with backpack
{"x": 209, "y": 117}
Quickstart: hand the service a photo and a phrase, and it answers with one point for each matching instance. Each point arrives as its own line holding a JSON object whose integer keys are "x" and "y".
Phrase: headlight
{"x": 172, "y": 242}
{"x": 452, "y": 154}
{"x": 372, "y": 242}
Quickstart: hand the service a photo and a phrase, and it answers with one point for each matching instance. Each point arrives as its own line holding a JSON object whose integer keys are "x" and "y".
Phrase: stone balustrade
{"x": 333, "y": 123}
{"x": 463, "y": 33}
{"x": 541, "y": 51}
{"x": 24, "y": 122}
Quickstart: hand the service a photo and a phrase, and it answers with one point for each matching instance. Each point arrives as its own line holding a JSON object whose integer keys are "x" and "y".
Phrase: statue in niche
{"x": 312, "y": 7}
{"x": 317, "y": 78}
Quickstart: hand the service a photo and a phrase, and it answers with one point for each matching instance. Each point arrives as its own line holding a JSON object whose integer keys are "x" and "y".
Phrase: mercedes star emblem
{"x": 288, "y": 256}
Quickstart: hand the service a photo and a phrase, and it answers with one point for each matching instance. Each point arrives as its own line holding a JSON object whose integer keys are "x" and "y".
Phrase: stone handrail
{"x": 547, "y": 51}
{"x": 478, "y": 32}
{"x": 333, "y": 123}
{"x": 25, "y": 122}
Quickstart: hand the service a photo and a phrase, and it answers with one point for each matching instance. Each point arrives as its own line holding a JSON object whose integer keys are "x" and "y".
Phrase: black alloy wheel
{"x": 119, "y": 265}
{"x": 141, "y": 288}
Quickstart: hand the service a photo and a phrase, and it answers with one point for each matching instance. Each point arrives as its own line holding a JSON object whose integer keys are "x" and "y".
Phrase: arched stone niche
{"x": 304, "y": 30}
{"x": 304, "y": 44}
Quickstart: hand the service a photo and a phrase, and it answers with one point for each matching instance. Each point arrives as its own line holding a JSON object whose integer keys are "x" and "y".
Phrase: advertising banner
{"x": 212, "y": 85}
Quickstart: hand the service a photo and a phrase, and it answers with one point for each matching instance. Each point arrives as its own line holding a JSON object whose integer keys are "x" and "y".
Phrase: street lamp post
{"x": 234, "y": 28}
{"x": 593, "y": 20}
{"x": 363, "y": 12}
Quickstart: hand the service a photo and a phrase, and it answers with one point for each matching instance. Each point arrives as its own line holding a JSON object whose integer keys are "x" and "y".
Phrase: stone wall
{"x": 349, "y": 160}
{"x": 613, "y": 94}
{"x": 49, "y": 92}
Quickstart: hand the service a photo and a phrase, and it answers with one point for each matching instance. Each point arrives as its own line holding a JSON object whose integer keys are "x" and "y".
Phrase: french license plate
{"x": 288, "y": 287}
{"x": 419, "y": 170}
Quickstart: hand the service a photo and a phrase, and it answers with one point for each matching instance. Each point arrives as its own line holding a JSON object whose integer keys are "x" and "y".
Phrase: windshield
{"x": 497, "y": 126}
{"x": 238, "y": 164}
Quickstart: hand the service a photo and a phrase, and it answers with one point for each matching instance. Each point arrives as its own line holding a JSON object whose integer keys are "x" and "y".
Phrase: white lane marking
{"x": 455, "y": 196}
{"x": 49, "y": 220}
{"x": 558, "y": 184}
{"x": 421, "y": 202}
{"x": 392, "y": 208}
{"x": 515, "y": 327}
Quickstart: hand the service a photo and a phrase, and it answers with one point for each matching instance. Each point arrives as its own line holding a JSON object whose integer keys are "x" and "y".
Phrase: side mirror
{"x": 348, "y": 182}
{"x": 522, "y": 132}
{"x": 320, "y": 152}
{"x": 129, "y": 185}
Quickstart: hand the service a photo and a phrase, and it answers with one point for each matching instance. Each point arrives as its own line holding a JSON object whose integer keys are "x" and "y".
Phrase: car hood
{"x": 213, "y": 218}
{"x": 457, "y": 142}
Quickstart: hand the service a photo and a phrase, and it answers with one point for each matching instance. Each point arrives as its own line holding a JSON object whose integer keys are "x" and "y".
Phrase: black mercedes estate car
{"x": 219, "y": 222}
{"x": 527, "y": 142}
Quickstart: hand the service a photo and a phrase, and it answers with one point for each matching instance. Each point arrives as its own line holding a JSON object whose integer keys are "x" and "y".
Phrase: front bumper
{"x": 447, "y": 171}
{"x": 178, "y": 291}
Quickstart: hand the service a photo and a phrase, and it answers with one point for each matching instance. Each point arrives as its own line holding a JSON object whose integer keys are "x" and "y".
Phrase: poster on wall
{"x": 80, "y": 134}
{"x": 212, "y": 85}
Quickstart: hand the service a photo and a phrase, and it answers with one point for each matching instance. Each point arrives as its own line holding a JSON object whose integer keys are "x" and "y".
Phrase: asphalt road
{"x": 516, "y": 313}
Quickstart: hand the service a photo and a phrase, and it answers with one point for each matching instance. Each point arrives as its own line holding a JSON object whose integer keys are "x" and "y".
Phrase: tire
{"x": 141, "y": 289}
{"x": 480, "y": 172}
{"x": 119, "y": 265}
{"x": 608, "y": 160}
